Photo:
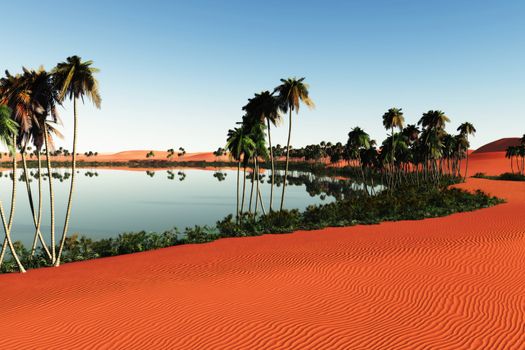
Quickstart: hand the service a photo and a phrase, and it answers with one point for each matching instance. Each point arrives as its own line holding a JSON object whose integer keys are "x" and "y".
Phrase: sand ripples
{"x": 446, "y": 283}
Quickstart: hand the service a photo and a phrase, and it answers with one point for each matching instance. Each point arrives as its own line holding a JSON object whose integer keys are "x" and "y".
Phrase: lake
{"x": 109, "y": 202}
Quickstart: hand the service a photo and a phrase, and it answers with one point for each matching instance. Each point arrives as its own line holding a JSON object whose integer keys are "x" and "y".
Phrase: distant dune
{"x": 126, "y": 156}
{"x": 500, "y": 145}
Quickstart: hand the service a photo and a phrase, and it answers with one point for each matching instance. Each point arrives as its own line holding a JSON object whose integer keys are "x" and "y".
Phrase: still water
{"x": 109, "y": 202}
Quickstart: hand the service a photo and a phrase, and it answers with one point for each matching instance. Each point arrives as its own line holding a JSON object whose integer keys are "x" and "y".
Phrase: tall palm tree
{"x": 358, "y": 140}
{"x": 392, "y": 119}
{"x": 466, "y": 129}
{"x": 8, "y": 132}
{"x": 30, "y": 96}
{"x": 257, "y": 134}
{"x": 240, "y": 146}
{"x": 510, "y": 154}
{"x": 74, "y": 79}
{"x": 42, "y": 98}
{"x": 264, "y": 107}
{"x": 290, "y": 94}
{"x": 434, "y": 120}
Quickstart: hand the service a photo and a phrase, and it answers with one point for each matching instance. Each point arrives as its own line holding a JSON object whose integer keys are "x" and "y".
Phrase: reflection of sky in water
{"x": 118, "y": 201}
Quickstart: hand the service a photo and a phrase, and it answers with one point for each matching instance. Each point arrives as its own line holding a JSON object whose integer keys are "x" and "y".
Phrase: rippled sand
{"x": 447, "y": 283}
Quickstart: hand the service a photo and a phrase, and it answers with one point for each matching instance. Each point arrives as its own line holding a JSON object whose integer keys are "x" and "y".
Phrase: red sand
{"x": 447, "y": 283}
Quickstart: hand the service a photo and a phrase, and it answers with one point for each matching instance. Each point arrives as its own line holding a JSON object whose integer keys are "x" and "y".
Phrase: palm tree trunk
{"x": 392, "y": 160}
{"x": 72, "y": 188}
{"x": 51, "y": 195}
{"x": 260, "y": 196}
{"x": 466, "y": 166}
{"x": 243, "y": 188}
{"x": 251, "y": 187}
{"x": 39, "y": 215}
{"x": 272, "y": 164}
{"x": 287, "y": 159}
{"x": 238, "y": 178}
{"x": 9, "y": 225}
{"x": 38, "y": 234}
{"x": 256, "y": 169}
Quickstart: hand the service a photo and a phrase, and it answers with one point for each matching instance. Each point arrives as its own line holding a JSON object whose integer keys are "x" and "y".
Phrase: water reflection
{"x": 109, "y": 202}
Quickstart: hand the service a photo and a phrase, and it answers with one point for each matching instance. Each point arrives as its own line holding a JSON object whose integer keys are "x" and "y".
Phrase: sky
{"x": 177, "y": 73}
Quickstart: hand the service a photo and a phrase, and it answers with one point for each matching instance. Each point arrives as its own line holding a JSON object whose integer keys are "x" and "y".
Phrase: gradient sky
{"x": 176, "y": 73}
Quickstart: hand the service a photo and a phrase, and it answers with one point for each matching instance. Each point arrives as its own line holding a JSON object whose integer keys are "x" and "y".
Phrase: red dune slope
{"x": 500, "y": 145}
{"x": 447, "y": 283}
{"x": 490, "y": 163}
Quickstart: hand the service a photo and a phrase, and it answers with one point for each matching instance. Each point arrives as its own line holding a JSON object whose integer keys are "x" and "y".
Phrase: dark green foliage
{"x": 200, "y": 234}
{"x": 504, "y": 176}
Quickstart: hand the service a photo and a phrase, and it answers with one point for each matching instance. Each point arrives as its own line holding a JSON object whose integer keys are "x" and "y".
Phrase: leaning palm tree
{"x": 466, "y": 129}
{"x": 25, "y": 94}
{"x": 42, "y": 101}
{"x": 74, "y": 79}
{"x": 8, "y": 132}
{"x": 264, "y": 107}
{"x": 290, "y": 94}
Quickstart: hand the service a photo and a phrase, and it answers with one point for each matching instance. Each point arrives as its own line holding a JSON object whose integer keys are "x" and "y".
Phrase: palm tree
{"x": 42, "y": 98}
{"x": 433, "y": 120}
{"x": 264, "y": 107}
{"x": 289, "y": 96}
{"x": 257, "y": 134}
{"x": 466, "y": 129}
{"x": 392, "y": 119}
{"x": 74, "y": 79}
{"x": 240, "y": 146}
{"x": 411, "y": 132}
{"x": 510, "y": 154}
{"x": 358, "y": 140}
{"x": 32, "y": 97}
{"x": 8, "y": 132}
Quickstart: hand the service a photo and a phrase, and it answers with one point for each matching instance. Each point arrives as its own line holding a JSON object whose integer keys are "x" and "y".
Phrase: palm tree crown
{"x": 467, "y": 129}
{"x": 75, "y": 79}
{"x": 239, "y": 144}
{"x": 263, "y": 106}
{"x": 290, "y": 94}
{"x": 433, "y": 120}
{"x": 393, "y": 118}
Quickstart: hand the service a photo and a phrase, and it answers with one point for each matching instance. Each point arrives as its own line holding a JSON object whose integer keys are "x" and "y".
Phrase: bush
{"x": 200, "y": 234}
{"x": 504, "y": 176}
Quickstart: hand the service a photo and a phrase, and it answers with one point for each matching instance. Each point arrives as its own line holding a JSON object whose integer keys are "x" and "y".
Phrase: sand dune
{"x": 500, "y": 145}
{"x": 447, "y": 283}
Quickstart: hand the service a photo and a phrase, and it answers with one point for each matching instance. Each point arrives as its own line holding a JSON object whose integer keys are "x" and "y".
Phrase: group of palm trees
{"x": 419, "y": 154}
{"x": 246, "y": 143}
{"x": 29, "y": 118}
{"x": 516, "y": 154}
{"x": 411, "y": 154}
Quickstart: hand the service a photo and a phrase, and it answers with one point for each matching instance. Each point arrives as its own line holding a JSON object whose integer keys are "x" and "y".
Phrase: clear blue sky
{"x": 176, "y": 73}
